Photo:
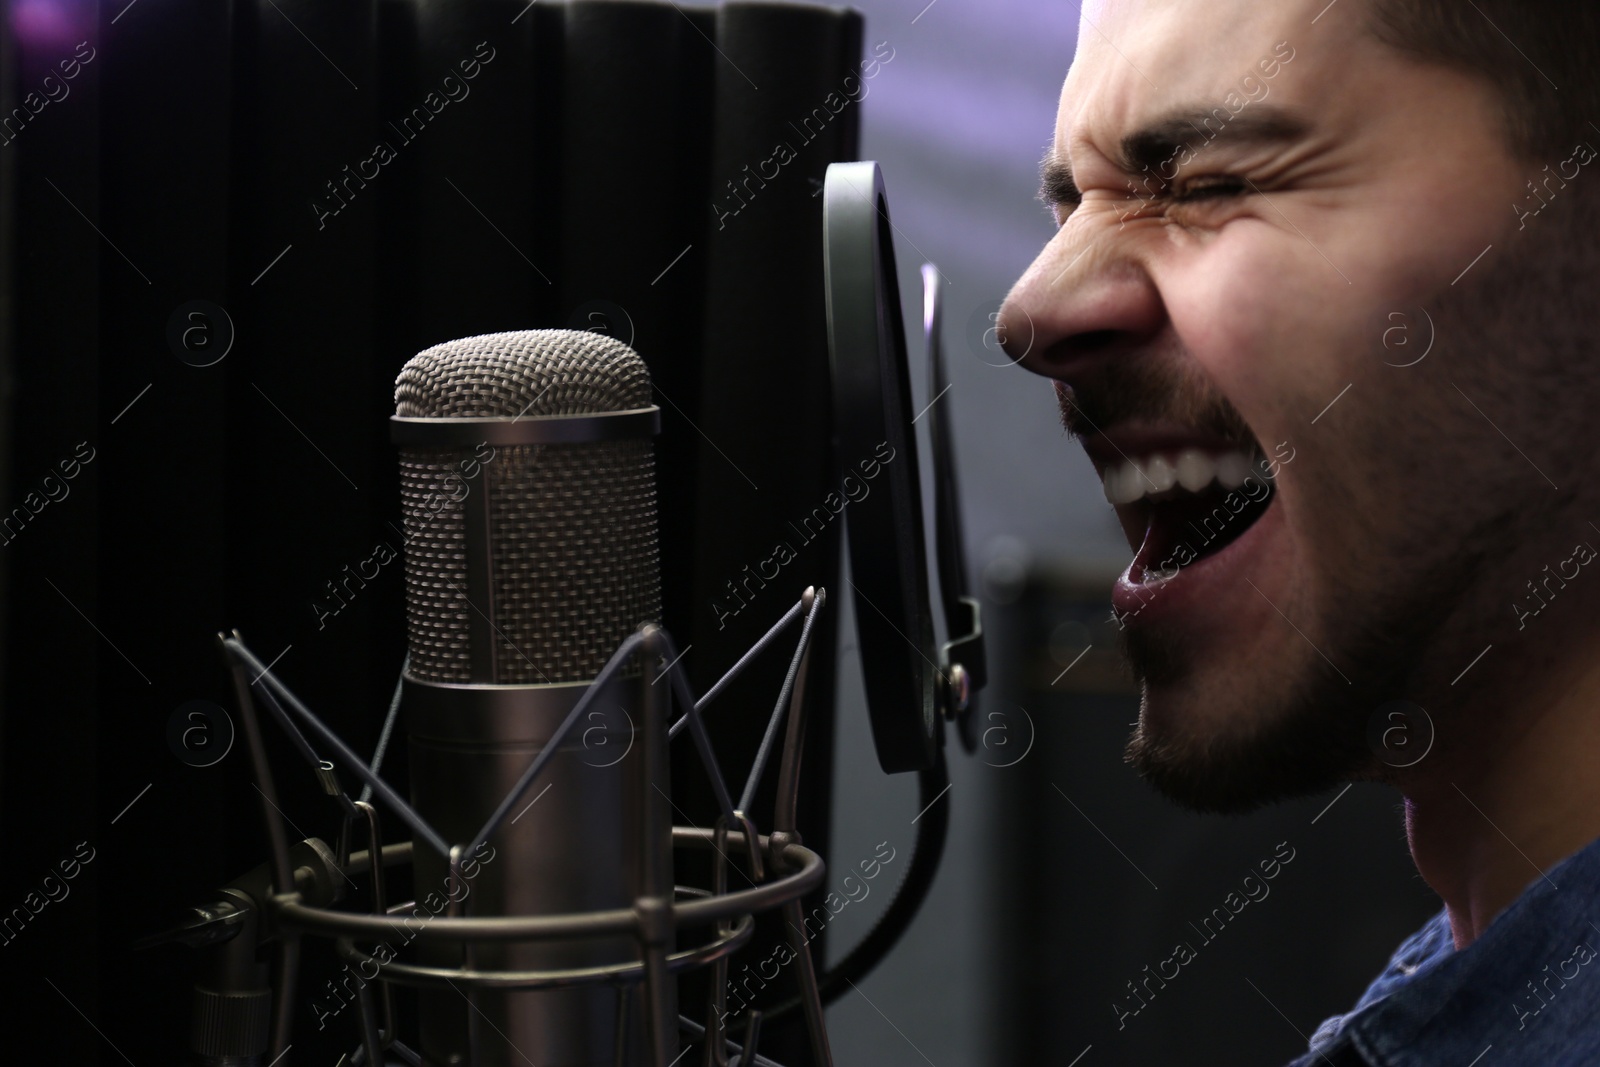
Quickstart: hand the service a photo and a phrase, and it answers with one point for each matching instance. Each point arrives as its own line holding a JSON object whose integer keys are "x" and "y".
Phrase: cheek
{"x": 1254, "y": 307}
{"x": 1420, "y": 236}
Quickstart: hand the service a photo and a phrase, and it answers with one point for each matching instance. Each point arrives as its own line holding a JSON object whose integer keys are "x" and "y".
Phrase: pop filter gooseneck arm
{"x": 932, "y": 830}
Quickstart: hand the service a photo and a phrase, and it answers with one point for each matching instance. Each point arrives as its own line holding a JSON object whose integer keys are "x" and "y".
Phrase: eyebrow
{"x": 1149, "y": 147}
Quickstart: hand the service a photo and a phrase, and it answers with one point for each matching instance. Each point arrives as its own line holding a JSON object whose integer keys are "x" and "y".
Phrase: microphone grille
{"x": 575, "y": 562}
{"x": 523, "y": 373}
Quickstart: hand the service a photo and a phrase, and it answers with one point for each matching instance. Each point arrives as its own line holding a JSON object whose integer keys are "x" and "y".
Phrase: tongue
{"x": 1190, "y": 528}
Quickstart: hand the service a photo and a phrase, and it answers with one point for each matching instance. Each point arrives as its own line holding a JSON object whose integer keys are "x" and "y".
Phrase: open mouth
{"x": 1182, "y": 507}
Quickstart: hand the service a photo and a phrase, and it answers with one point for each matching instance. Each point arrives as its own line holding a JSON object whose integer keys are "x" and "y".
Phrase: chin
{"x": 1231, "y": 743}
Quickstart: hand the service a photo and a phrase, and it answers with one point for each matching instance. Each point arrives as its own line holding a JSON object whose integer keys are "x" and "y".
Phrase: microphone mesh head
{"x": 576, "y": 565}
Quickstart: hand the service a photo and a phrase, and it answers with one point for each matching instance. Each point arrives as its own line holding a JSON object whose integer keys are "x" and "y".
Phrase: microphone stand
{"x": 233, "y": 1002}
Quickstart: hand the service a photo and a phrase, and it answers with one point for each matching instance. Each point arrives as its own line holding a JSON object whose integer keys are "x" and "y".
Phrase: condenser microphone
{"x": 528, "y": 497}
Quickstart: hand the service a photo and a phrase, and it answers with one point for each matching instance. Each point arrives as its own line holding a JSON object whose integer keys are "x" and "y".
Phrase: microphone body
{"x": 527, "y": 483}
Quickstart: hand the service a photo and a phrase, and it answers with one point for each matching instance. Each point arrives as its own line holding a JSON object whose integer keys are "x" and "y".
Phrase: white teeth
{"x": 1192, "y": 469}
{"x": 1105, "y": 483}
{"x": 1133, "y": 484}
{"x": 1160, "y": 474}
{"x": 1123, "y": 483}
{"x": 1195, "y": 469}
{"x": 1232, "y": 470}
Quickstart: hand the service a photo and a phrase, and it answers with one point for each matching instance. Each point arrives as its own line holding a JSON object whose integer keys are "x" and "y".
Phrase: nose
{"x": 1085, "y": 299}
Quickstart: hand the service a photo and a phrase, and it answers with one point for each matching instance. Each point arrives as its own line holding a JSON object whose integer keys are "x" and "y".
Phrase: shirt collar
{"x": 1529, "y": 986}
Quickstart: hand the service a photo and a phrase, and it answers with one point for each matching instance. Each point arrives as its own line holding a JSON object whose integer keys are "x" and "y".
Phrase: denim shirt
{"x": 1525, "y": 993}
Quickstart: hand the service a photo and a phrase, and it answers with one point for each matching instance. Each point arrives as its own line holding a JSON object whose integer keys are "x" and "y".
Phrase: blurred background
{"x": 177, "y": 166}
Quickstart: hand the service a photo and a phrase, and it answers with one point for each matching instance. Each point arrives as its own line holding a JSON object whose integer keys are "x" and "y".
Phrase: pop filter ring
{"x": 872, "y": 406}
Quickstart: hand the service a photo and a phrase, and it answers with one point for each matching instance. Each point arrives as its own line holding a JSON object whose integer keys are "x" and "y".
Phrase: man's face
{"x": 1278, "y": 212}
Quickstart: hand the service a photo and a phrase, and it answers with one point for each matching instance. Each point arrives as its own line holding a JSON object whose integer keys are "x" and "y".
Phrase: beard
{"x": 1303, "y": 727}
{"x": 1404, "y": 579}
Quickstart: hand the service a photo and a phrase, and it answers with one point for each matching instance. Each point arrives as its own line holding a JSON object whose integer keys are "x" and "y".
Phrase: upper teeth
{"x": 1192, "y": 469}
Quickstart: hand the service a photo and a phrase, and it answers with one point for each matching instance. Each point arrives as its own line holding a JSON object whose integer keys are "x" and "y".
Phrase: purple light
{"x": 51, "y": 25}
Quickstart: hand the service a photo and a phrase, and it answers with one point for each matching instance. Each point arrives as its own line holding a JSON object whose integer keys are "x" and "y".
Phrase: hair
{"x": 1542, "y": 57}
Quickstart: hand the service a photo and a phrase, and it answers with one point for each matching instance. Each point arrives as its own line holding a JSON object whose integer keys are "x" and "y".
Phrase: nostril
{"x": 1092, "y": 341}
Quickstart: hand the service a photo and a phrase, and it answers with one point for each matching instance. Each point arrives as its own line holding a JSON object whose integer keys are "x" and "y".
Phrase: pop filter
{"x": 911, "y": 682}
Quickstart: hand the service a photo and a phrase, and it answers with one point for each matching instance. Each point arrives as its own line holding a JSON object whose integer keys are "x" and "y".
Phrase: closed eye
{"x": 1209, "y": 188}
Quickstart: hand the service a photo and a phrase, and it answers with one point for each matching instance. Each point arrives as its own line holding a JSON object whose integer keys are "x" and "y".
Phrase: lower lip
{"x": 1206, "y": 585}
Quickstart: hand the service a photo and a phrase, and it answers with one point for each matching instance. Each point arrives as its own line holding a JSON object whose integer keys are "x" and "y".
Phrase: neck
{"x": 1496, "y": 813}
